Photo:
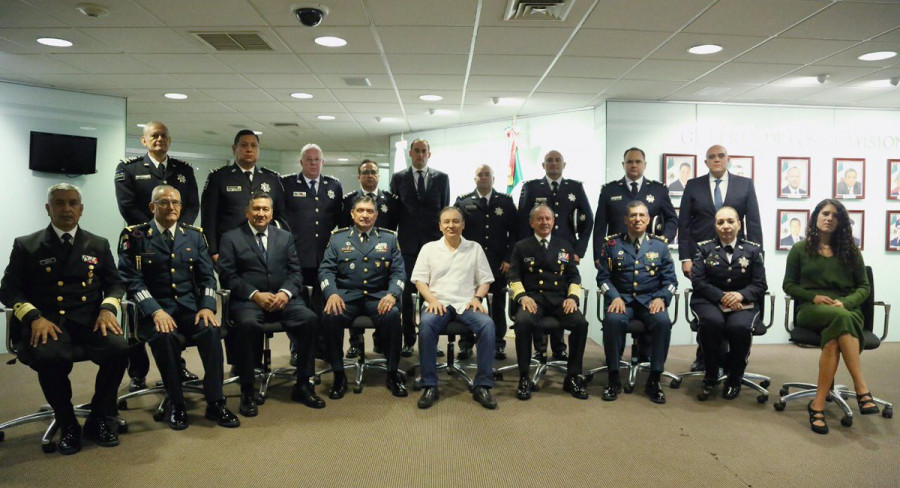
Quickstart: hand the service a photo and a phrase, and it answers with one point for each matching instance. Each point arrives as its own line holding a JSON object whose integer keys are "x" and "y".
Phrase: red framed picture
{"x": 858, "y": 227}
{"x": 849, "y": 178}
{"x": 793, "y": 180}
{"x": 741, "y": 166}
{"x": 677, "y": 170}
{"x": 893, "y": 179}
{"x": 791, "y": 227}
{"x": 892, "y": 236}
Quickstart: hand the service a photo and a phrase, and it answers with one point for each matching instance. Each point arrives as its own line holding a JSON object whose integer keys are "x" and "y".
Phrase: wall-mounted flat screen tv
{"x": 61, "y": 153}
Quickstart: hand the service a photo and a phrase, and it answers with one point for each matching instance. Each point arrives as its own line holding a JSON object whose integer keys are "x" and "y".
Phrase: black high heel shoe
{"x": 817, "y": 416}
{"x": 864, "y": 398}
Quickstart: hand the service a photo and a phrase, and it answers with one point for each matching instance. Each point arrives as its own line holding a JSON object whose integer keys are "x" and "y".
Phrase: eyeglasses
{"x": 720, "y": 155}
{"x": 168, "y": 203}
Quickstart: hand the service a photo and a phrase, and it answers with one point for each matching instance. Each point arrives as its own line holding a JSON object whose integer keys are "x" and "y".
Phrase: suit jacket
{"x": 616, "y": 195}
{"x": 712, "y": 275}
{"x": 159, "y": 278}
{"x": 388, "y": 209}
{"x": 494, "y": 226}
{"x": 419, "y": 217}
{"x": 636, "y": 276}
{"x": 696, "y": 222}
{"x": 574, "y": 218}
{"x": 549, "y": 276}
{"x": 226, "y": 195}
{"x": 41, "y": 282}
{"x": 787, "y": 191}
{"x": 312, "y": 217}
{"x": 789, "y": 241}
{"x": 676, "y": 186}
{"x": 244, "y": 270}
{"x": 843, "y": 189}
{"x": 354, "y": 269}
{"x": 136, "y": 178}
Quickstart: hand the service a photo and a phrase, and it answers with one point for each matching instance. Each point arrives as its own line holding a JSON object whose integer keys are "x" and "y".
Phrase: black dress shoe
{"x": 654, "y": 391}
{"x": 611, "y": 392}
{"x": 439, "y": 353}
{"x": 248, "y": 406}
{"x": 464, "y": 353}
{"x": 99, "y": 430}
{"x": 352, "y": 353}
{"x": 221, "y": 415}
{"x": 339, "y": 387}
{"x": 187, "y": 375}
{"x": 698, "y": 365}
{"x": 731, "y": 391}
{"x": 560, "y": 356}
{"x": 304, "y": 393}
{"x": 295, "y": 358}
{"x": 178, "y": 419}
{"x": 500, "y": 353}
{"x": 523, "y": 392}
{"x": 69, "y": 439}
{"x": 429, "y": 396}
{"x": 575, "y": 386}
{"x": 483, "y": 396}
{"x": 395, "y": 384}
{"x": 406, "y": 352}
{"x": 137, "y": 383}
{"x": 706, "y": 389}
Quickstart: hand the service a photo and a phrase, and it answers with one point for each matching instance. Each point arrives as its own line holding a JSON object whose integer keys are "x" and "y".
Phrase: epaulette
{"x": 328, "y": 177}
{"x": 745, "y": 241}
{"x": 220, "y": 168}
{"x": 652, "y": 182}
{"x": 192, "y": 227}
{"x": 130, "y": 160}
{"x": 574, "y": 181}
{"x": 349, "y": 193}
{"x": 659, "y": 238}
{"x": 178, "y": 161}
{"x": 613, "y": 236}
{"x": 267, "y": 170}
{"x": 132, "y": 228}
{"x": 703, "y": 243}
{"x": 335, "y": 231}
{"x": 389, "y": 231}
{"x": 465, "y": 195}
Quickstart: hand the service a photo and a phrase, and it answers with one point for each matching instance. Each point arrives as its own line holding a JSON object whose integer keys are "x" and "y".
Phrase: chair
{"x": 760, "y": 327}
{"x": 635, "y": 328}
{"x": 48, "y": 445}
{"x": 809, "y": 338}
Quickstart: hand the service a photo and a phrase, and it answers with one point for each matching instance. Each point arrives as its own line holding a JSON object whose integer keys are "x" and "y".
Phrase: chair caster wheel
{"x": 48, "y": 447}
{"x": 782, "y": 392}
{"x": 357, "y": 389}
{"x": 317, "y": 379}
{"x": 498, "y": 376}
{"x": 702, "y": 397}
{"x": 2, "y": 435}
{"x": 123, "y": 428}
{"x": 588, "y": 377}
{"x": 846, "y": 421}
{"x": 765, "y": 383}
{"x": 260, "y": 399}
{"x": 887, "y": 413}
{"x": 762, "y": 398}
{"x": 417, "y": 384}
{"x": 123, "y": 405}
{"x": 159, "y": 415}
{"x": 675, "y": 384}
{"x": 779, "y": 406}
{"x": 628, "y": 389}
{"x": 535, "y": 387}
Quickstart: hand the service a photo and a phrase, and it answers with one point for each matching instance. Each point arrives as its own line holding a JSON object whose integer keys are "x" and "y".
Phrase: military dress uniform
{"x": 68, "y": 288}
{"x": 387, "y": 205}
{"x": 615, "y": 197}
{"x": 493, "y": 225}
{"x": 718, "y": 269}
{"x": 312, "y": 216}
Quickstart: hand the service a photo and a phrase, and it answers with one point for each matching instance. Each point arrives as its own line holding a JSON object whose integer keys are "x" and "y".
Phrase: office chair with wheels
{"x": 759, "y": 327}
{"x": 14, "y": 337}
{"x": 810, "y": 338}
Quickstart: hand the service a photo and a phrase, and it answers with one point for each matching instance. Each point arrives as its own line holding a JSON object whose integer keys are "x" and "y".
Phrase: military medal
{"x": 331, "y": 194}
{"x": 384, "y": 208}
{"x": 650, "y": 198}
{"x": 265, "y": 187}
{"x": 571, "y": 197}
{"x": 182, "y": 179}
{"x": 499, "y": 211}
{"x": 352, "y": 265}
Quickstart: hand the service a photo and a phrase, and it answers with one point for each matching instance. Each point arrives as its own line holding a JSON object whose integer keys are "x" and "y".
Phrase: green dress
{"x": 805, "y": 277}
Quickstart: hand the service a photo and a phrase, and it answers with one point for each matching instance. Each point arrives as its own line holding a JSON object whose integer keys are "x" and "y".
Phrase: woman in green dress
{"x": 827, "y": 276}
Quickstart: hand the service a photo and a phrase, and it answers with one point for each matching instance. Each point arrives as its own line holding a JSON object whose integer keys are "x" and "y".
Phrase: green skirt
{"x": 831, "y": 322}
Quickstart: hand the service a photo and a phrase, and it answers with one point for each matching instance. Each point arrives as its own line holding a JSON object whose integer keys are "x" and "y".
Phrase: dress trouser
{"x": 733, "y": 330}
{"x": 658, "y": 325}
{"x": 53, "y": 362}
{"x": 139, "y": 361}
{"x": 432, "y": 325}
{"x": 526, "y": 327}
{"x": 387, "y": 325}
{"x": 498, "y": 307}
{"x": 166, "y": 348}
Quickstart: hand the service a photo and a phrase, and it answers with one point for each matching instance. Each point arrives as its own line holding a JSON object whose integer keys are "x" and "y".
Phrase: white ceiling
{"x": 462, "y": 50}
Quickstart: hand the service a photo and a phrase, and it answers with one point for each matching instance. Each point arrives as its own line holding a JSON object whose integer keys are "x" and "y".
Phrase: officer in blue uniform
{"x": 637, "y": 277}
{"x": 729, "y": 280}
{"x": 169, "y": 275}
{"x": 363, "y": 274}
{"x": 572, "y": 211}
{"x": 491, "y": 222}
{"x": 135, "y": 179}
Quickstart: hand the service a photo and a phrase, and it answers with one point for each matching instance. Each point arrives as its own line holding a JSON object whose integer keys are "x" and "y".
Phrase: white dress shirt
{"x": 640, "y": 183}
{"x": 452, "y": 275}
{"x": 157, "y": 163}
{"x": 723, "y": 187}
{"x": 60, "y": 232}
{"x": 425, "y": 176}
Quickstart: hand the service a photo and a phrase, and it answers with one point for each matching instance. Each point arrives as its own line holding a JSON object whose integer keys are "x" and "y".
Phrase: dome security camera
{"x": 311, "y": 15}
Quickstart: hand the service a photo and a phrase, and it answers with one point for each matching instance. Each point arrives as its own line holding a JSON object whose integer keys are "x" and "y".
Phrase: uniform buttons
{"x": 366, "y": 259}
{"x": 540, "y": 271}
{"x": 541, "y": 282}
{"x": 83, "y": 284}
{"x": 173, "y": 255}
{"x": 173, "y": 270}
{"x": 62, "y": 312}
{"x": 634, "y": 284}
{"x": 365, "y": 270}
{"x": 83, "y": 299}
{"x": 346, "y": 259}
{"x": 555, "y": 283}
{"x": 317, "y": 199}
{"x": 317, "y": 222}
{"x": 317, "y": 210}
{"x": 635, "y": 272}
{"x": 728, "y": 280}
{"x": 634, "y": 294}
{"x": 59, "y": 299}
{"x": 487, "y": 226}
{"x": 47, "y": 269}
{"x": 60, "y": 283}
{"x": 365, "y": 292}
{"x": 556, "y": 215}
{"x": 317, "y": 235}
{"x": 556, "y": 227}
{"x": 173, "y": 285}
{"x": 486, "y": 237}
{"x": 365, "y": 282}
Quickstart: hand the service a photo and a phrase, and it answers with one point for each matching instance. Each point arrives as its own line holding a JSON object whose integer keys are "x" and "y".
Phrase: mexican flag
{"x": 514, "y": 174}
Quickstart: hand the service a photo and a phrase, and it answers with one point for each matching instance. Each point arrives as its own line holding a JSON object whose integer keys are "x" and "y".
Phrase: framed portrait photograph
{"x": 793, "y": 181}
{"x": 893, "y": 179}
{"x": 791, "y": 227}
{"x": 858, "y": 227}
{"x": 741, "y": 166}
{"x": 677, "y": 170}
{"x": 893, "y": 231}
{"x": 849, "y": 178}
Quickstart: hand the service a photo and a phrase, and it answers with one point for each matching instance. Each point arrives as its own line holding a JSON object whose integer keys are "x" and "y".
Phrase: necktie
{"x": 555, "y": 187}
{"x": 717, "y": 195}
{"x": 483, "y": 202}
{"x": 249, "y": 175}
{"x": 637, "y": 245}
{"x": 170, "y": 239}
{"x": 312, "y": 186}
{"x": 544, "y": 244}
{"x": 262, "y": 246}
{"x": 67, "y": 245}
{"x": 634, "y": 189}
{"x": 364, "y": 237}
{"x": 729, "y": 249}
{"x": 162, "y": 169}
{"x": 420, "y": 184}
{"x": 371, "y": 195}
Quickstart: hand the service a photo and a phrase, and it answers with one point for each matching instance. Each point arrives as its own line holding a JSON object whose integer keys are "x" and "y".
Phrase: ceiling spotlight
{"x": 175, "y": 96}
{"x": 430, "y": 98}
{"x": 895, "y": 80}
{"x": 877, "y": 56}
{"x": 52, "y": 41}
{"x": 705, "y": 49}
{"x": 822, "y": 78}
{"x": 301, "y": 95}
{"x": 142, "y": 125}
{"x": 92, "y": 10}
{"x": 258, "y": 132}
{"x": 325, "y": 117}
{"x": 330, "y": 41}
{"x": 343, "y": 159}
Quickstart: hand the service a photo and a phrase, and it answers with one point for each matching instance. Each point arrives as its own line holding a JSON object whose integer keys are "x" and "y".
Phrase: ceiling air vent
{"x": 361, "y": 81}
{"x": 285, "y": 124}
{"x": 547, "y": 10}
{"x": 234, "y": 41}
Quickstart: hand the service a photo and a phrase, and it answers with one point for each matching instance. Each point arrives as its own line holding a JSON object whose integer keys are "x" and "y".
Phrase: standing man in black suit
{"x": 703, "y": 197}
{"x": 135, "y": 179}
{"x": 571, "y": 211}
{"x": 258, "y": 263}
{"x": 491, "y": 222}
{"x": 422, "y": 193}
{"x": 65, "y": 291}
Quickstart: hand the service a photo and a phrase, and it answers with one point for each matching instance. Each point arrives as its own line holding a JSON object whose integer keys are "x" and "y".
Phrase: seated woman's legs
{"x": 849, "y": 347}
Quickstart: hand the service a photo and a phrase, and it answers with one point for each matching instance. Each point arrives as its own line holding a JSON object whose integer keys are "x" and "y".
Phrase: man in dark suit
{"x": 684, "y": 174}
{"x": 544, "y": 281}
{"x": 258, "y": 263}
{"x": 792, "y": 189}
{"x": 895, "y": 242}
{"x": 491, "y": 222}
{"x": 362, "y": 274}
{"x": 571, "y": 212}
{"x": 65, "y": 291}
{"x": 703, "y": 197}
{"x": 794, "y": 236}
{"x": 849, "y": 185}
{"x": 422, "y": 193}
{"x": 135, "y": 179}
{"x": 169, "y": 275}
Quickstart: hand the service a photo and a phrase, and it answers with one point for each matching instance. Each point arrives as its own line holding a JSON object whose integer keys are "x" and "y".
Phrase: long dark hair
{"x": 842, "y": 244}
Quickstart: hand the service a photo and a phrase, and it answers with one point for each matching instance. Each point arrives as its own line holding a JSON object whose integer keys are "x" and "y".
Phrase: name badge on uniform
{"x": 89, "y": 259}
{"x": 142, "y": 177}
{"x": 301, "y": 194}
{"x": 47, "y": 261}
{"x": 470, "y": 207}
{"x": 616, "y": 198}
{"x": 381, "y": 247}
{"x": 233, "y": 188}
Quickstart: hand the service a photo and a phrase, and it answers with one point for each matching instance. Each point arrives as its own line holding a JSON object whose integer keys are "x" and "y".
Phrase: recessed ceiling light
{"x": 85, "y": 127}
{"x": 330, "y": 41}
{"x": 258, "y": 132}
{"x": 301, "y": 95}
{"x": 705, "y": 49}
{"x": 343, "y": 159}
{"x": 52, "y": 41}
{"x": 325, "y": 117}
{"x": 142, "y": 125}
{"x": 877, "y": 56}
{"x": 430, "y": 98}
{"x": 175, "y": 96}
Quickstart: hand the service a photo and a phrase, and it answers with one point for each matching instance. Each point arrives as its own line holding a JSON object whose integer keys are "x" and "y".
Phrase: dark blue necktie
{"x": 312, "y": 186}
{"x": 634, "y": 189}
{"x": 420, "y": 184}
{"x": 717, "y": 196}
{"x": 262, "y": 247}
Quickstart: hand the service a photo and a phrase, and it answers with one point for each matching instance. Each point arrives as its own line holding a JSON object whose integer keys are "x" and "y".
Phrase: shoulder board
{"x": 267, "y": 170}
{"x": 329, "y": 177}
{"x": 131, "y": 229}
{"x": 192, "y": 227}
{"x": 503, "y": 195}
{"x": 178, "y": 161}
{"x": 610, "y": 183}
{"x": 652, "y": 182}
{"x": 745, "y": 241}
{"x": 703, "y": 243}
{"x": 131, "y": 159}
{"x": 464, "y": 195}
{"x": 350, "y": 193}
{"x": 659, "y": 238}
{"x": 387, "y": 231}
{"x": 577, "y": 182}
{"x": 221, "y": 168}
{"x": 343, "y": 229}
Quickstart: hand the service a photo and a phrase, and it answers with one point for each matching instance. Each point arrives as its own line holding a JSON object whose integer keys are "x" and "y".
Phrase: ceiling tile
{"x": 148, "y": 40}
{"x": 369, "y": 110}
{"x": 558, "y": 84}
{"x": 496, "y": 64}
{"x": 104, "y": 63}
{"x": 364, "y": 95}
{"x": 776, "y": 94}
{"x": 433, "y": 64}
{"x": 754, "y": 17}
{"x": 517, "y": 40}
{"x": 225, "y": 13}
{"x": 426, "y": 39}
{"x": 214, "y": 80}
{"x": 429, "y": 82}
{"x": 183, "y": 63}
{"x": 640, "y": 90}
{"x": 237, "y": 94}
{"x": 257, "y": 106}
{"x": 268, "y": 63}
{"x": 796, "y": 51}
{"x": 418, "y": 12}
{"x": 849, "y": 56}
{"x": 36, "y": 63}
{"x": 81, "y": 41}
{"x": 705, "y": 92}
{"x": 667, "y": 70}
{"x": 21, "y": 14}
{"x": 281, "y": 13}
{"x": 344, "y": 63}
{"x": 585, "y": 67}
{"x": 311, "y": 106}
{"x": 648, "y": 15}
{"x": 294, "y": 82}
{"x": 747, "y": 73}
{"x": 121, "y": 14}
{"x": 615, "y": 43}
{"x": 202, "y": 107}
{"x": 302, "y": 40}
{"x": 515, "y": 83}
{"x": 677, "y": 47}
{"x": 849, "y": 20}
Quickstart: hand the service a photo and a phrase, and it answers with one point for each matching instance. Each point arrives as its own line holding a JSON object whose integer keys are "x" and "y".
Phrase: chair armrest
{"x": 687, "y": 299}
{"x": 585, "y": 298}
{"x": 771, "y": 310}
{"x": 676, "y": 297}
{"x": 10, "y": 316}
{"x": 225, "y": 296}
{"x": 887, "y": 316}
{"x": 788, "y": 300}
{"x": 129, "y": 320}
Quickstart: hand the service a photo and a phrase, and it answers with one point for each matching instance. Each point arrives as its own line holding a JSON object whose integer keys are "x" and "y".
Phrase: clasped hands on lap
{"x": 823, "y": 300}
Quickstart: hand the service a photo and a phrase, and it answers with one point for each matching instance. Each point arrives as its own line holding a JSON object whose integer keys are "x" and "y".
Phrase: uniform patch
{"x": 233, "y": 188}
{"x": 300, "y": 194}
{"x": 47, "y": 261}
{"x": 571, "y": 197}
{"x": 499, "y": 211}
{"x": 650, "y": 198}
{"x": 384, "y": 208}
{"x": 331, "y": 194}
{"x": 563, "y": 256}
{"x": 347, "y": 249}
{"x": 182, "y": 179}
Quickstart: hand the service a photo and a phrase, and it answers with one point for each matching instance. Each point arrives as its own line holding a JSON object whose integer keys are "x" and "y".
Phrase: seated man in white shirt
{"x": 453, "y": 276}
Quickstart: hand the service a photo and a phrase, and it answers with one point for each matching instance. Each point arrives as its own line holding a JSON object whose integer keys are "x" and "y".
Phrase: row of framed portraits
{"x": 849, "y": 175}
